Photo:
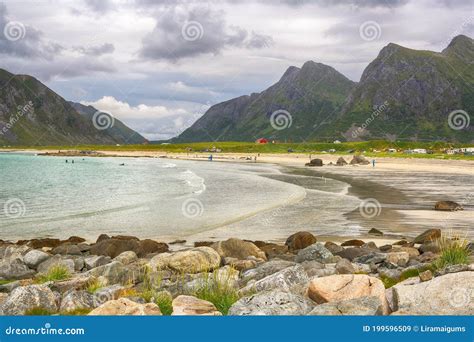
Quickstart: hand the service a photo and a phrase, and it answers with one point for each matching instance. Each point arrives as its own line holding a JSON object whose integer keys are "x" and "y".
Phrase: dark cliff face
{"x": 402, "y": 94}
{"x": 33, "y": 114}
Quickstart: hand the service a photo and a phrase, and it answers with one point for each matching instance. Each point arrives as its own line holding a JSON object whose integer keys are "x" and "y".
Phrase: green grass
{"x": 94, "y": 285}
{"x": 307, "y": 147}
{"x": 165, "y": 303}
{"x": 5, "y": 281}
{"x": 219, "y": 290}
{"x": 38, "y": 311}
{"x": 55, "y": 273}
{"x": 453, "y": 251}
{"x": 410, "y": 273}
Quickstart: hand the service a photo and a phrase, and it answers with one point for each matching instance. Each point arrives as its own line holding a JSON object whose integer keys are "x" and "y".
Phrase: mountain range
{"x": 402, "y": 94}
{"x": 33, "y": 114}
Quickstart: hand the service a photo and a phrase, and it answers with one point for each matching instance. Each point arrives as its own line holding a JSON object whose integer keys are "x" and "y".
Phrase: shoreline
{"x": 296, "y": 162}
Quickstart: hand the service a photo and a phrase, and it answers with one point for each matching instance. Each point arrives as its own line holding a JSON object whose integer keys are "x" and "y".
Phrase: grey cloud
{"x": 30, "y": 42}
{"x": 97, "y": 50}
{"x": 182, "y": 32}
{"x": 258, "y": 41}
{"x": 99, "y": 6}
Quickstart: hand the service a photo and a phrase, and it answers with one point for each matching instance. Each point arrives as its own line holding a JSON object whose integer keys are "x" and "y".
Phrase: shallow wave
{"x": 196, "y": 183}
{"x": 168, "y": 165}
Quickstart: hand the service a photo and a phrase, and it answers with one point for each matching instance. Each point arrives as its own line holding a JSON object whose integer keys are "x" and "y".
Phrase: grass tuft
{"x": 38, "y": 311}
{"x": 453, "y": 251}
{"x": 55, "y": 273}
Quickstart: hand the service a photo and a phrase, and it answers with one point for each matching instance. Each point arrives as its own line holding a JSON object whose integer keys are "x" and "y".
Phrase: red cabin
{"x": 261, "y": 141}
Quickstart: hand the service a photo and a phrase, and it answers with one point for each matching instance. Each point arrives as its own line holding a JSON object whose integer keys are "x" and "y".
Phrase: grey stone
{"x": 450, "y": 294}
{"x": 96, "y": 260}
{"x": 15, "y": 269}
{"x": 73, "y": 300}
{"x": 272, "y": 303}
{"x": 362, "y": 306}
{"x": 344, "y": 266}
{"x": 67, "y": 249}
{"x": 126, "y": 257}
{"x": 35, "y": 257}
{"x": 375, "y": 258}
{"x": 25, "y": 298}
{"x": 56, "y": 260}
{"x": 315, "y": 252}
{"x": 114, "y": 272}
{"x": 285, "y": 280}
{"x": 265, "y": 269}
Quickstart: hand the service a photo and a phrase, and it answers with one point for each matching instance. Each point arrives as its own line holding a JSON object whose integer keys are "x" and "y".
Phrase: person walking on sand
{"x": 373, "y": 162}
{"x": 66, "y": 161}
{"x": 210, "y": 157}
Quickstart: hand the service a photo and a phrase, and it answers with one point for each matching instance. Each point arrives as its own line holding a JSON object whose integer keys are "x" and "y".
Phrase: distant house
{"x": 332, "y": 150}
{"x": 419, "y": 150}
{"x": 336, "y": 142}
{"x": 392, "y": 150}
{"x": 261, "y": 141}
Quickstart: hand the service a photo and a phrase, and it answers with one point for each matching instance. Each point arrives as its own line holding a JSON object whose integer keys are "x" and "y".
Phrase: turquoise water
{"x": 146, "y": 197}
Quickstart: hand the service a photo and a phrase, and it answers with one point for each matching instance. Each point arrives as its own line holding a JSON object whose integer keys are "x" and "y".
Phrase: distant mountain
{"x": 402, "y": 94}
{"x": 119, "y": 131}
{"x": 420, "y": 89}
{"x": 33, "y": 114}
{"x": 300, "y": 101}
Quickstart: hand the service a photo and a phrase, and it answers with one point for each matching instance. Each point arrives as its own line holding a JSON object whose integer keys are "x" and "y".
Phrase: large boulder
{"x": 450, "y": 294}
{"x": 195, "y": 260}
{"x": 240, "y": 249}
{"x": 67, "y": 249}
{"x": 148, "y": 246}
{"x": 300, "y": 240}
{"x": 126, "y": 307}
{"x": 11, "y": 252}
{"x": 286, "y": 280}
{"x": 428, "y": 236}
{"x": 126, "y": 257}
{"x": 192, "y": 306}
{"x": 56, "y": 260}
{"x": 448, "y": 206}
{"x": 344, "y": 266}
{"x": 15, "y": 269}
{"x": 265, "y": 269}
{"x": 96, "y": 261}
{"x": 359, "y": 160}
{"x": 353, "y": 253}
{"x": 315, "y": 162}
{"x": 25, "y": 298}
{"x": 113, "y": 247}
{"x": 35, "y": 257}
{"x": 114, "y": 272}
{"x": 315, "y": 252}
{"x": 362, "y": 306}
{"x": 343, "y": 287}
{"x": 272, "y": 303}
{"x": 73, "y": 300}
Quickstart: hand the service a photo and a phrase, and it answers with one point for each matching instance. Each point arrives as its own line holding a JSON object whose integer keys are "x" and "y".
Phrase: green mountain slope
{"x": 119, "y": 131}
{"x": 33, "y": 114}
{"x": 310, "y": 96}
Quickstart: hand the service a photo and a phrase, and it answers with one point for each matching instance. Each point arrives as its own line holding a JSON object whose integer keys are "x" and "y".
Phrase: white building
{"x": 419, "y": 150}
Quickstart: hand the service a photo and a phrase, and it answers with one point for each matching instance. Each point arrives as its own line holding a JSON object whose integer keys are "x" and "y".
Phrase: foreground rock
{"x": 236, "y": 248}
{"x": 300, "y": 240}
{"x": 25, "y": 298}
{"x": 285, "y": 280}
{"x": 450, "y": 294}
{"x": 114, "y": 246}
{"x": 315, "y": 252}
{"x": 274, "y": 303}
{"x": 429, "y": 235}
{"x": 359, "y": 160}
{"x": 265, "y": 269}
{"x": 35, "y": 257}
{"x": 196, "y": 260}
{"x": 447, "y": 206}
{"x": 189, "y": 305}
{"x": 124, "y": 306}
{"x": 343, "y": 287}
{"x": 15, "y": 269}
{"x": 363, "y": 306}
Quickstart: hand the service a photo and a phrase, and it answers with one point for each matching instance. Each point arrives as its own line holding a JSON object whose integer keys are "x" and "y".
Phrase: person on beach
{"x": 373, "y": 162}
{"x": 66, "y": 161}
{"x": 210, "y": 157}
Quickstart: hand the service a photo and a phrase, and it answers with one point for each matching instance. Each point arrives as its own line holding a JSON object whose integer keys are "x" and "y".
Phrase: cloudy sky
{"x": 158, "y": 64}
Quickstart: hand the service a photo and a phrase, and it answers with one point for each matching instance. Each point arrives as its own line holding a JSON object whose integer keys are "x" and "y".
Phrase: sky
{"x": 159, "y": 65}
